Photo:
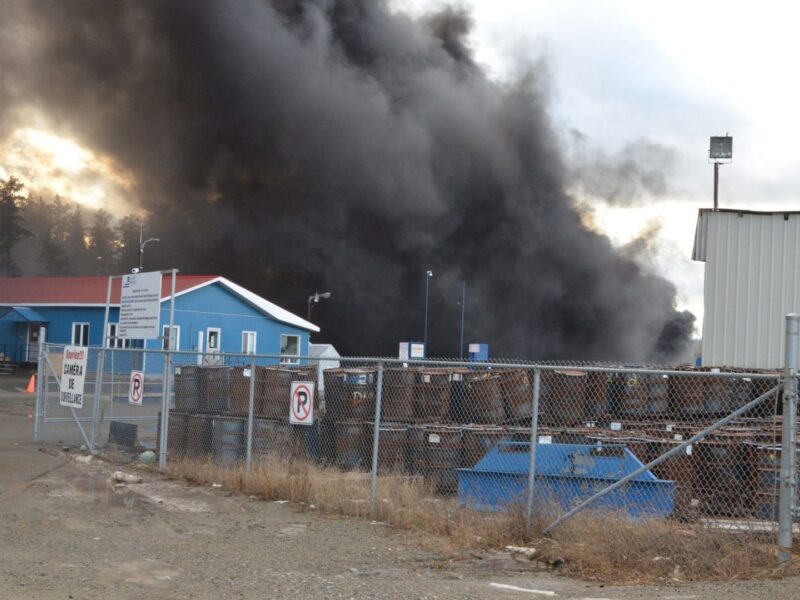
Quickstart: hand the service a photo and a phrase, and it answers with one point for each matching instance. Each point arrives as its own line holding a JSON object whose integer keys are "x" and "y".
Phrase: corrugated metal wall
{"x": 752, "y": 280}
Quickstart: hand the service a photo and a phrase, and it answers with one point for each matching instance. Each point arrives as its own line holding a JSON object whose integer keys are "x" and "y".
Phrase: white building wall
{"x": 752, "y": 280}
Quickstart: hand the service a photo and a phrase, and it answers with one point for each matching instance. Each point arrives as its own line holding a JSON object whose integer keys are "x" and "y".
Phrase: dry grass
{"x": 599, "y": 546}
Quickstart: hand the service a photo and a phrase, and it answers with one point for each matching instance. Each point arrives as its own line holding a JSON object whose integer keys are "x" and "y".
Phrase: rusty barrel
{"x": 459, "y": 397}
{"x": 270, "y": 436}
{"x": 516, "y": 385}
{"x": 436, "y": 455}
{"x": 485, "y": 398}
{"x": 239, "y": 391}
{"x": 562, "y": 397}
{"x": 215, "y": 391}
{"x": 176, "y": 435}
{"x": 274, "y": 390}
{"x": 392, "y": 447}
{"x": 228, "y": 445}
{"x": 353, "y": 445}
{"x": 657, "y": 395}
{"x": 629, "y": 396}
{"x": 596, "y": 400}
{"x": 477, "y": 440}
{"x": 687, "y": 396}
{"x": 432, "y": 395}
{"x": 188, "y": 389}
{"x": 198, "y": 435}
{"x": 350, "y": 393}
{"x": 397, "y": 403}
{"x": 723, "y": 477}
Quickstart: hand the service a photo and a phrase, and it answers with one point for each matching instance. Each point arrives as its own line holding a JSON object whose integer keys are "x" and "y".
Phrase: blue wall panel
{"x": 210, "y": 306}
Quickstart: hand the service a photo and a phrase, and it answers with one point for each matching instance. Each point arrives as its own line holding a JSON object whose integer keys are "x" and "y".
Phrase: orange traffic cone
{"x": 31, "y": 389}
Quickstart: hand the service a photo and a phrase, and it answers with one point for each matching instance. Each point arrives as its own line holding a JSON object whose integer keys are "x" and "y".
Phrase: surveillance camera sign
{"x": 73, "y": 373}
{"x": 301, "y": 398}
{"x": 140, "y": 306}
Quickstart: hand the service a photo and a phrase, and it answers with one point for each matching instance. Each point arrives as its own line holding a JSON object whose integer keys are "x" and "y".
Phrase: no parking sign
{"x": 301, "y": 411}
{"x": 136, "y": 389}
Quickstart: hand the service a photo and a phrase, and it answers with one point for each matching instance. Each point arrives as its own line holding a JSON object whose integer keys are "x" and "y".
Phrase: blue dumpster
{"x": 566, "y": 474}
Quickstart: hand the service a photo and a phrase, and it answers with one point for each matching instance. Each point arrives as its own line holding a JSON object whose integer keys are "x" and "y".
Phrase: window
{"x": 249, "y": 342}
{"x": 290, "y": 344}
{"x": 111, "y": 339}
{"x": 80, "y": 334}
{"x": 213, "y": 339}
{"x": 166, "y": 342}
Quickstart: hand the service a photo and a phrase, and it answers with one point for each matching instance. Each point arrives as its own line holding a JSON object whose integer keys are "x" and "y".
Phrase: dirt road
{"x": 66, "y": 532}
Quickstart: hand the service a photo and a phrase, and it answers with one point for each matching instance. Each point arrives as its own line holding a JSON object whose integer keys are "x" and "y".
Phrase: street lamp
{"x": 142, "y": 244}
{"x": 315, "y": 298}
{"x": 428, "y": 275}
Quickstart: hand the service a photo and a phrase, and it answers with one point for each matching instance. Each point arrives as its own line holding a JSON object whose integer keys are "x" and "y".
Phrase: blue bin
{"x": 566, "y": 474}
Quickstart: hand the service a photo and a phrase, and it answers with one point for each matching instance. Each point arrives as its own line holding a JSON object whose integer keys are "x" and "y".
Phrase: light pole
{"x": 315, "y": 298}
{"x": 720, "y": 152}
{"x": 463, "y": 304}
{"x": 142, "y": 244}
{"x": 428, "y": 275}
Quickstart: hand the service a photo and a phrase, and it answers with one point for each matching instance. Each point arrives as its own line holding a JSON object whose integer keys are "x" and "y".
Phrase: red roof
{"x": 81, "y": 290}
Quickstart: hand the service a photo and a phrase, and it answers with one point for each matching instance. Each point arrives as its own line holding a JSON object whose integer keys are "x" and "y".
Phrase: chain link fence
{"x": 555, "y": 448}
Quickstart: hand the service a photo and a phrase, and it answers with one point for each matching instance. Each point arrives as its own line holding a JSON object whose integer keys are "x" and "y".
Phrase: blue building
{"x": 212, "y": 315}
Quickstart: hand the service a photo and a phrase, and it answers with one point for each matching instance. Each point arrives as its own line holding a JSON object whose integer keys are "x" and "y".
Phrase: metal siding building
{"x": 752, "y": 281}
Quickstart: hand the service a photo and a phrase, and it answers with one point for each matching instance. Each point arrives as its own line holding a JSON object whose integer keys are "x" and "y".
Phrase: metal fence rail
{"x": 648, "y": 445}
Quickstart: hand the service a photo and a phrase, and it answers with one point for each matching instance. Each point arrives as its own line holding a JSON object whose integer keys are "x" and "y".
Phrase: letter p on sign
{"x": 136, "y": 389}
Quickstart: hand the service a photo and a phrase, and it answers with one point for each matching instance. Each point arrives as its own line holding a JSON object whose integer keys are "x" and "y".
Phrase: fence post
{"x": 786, "y": 502}
{"x": 537, "y": 376}
{"x": 373, "y": 495}
{"x": 250, "y": 410}
{"x": 40, "y": 382}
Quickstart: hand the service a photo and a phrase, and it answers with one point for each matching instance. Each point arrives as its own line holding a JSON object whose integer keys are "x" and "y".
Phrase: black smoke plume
{"x": 338, "y": 145}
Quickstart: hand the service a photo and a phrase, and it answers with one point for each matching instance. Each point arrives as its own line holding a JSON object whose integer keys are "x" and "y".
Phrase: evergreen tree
{"x": 75, "y": 243}
{"x": 128, "y": 240}
{"x": 102, "y": 244}
{"x": 11, "y": 229}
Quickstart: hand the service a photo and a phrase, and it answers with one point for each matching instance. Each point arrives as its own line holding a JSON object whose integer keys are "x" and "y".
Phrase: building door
{"x": 213, "y": 346}
{"x": 33, "y": 342}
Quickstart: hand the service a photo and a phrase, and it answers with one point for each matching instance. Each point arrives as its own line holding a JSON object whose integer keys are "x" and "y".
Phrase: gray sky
{"x": 673, "y": 73}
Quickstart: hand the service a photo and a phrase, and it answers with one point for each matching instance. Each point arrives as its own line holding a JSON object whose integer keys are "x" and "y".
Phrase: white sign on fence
{"x": 73, "y": 374}
{"x": 140, "y": 306}
{"x": 301, "y": 399}
{"x": 136, "y": 388}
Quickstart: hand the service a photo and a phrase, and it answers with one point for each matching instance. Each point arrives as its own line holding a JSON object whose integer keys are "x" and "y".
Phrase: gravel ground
{"x": 66, "y": 532}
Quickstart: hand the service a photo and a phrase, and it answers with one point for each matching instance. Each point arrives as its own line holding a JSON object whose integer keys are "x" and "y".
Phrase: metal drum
{"x": 436, "y": 455}
{"x": 459, "y": 397}
{"x": 215, "y": 392}
{"x": 658, "y": 395}
{"x": 562, "y": 396}
{"x": 629, "y": 396}
{"x": 269, "y": 437}
{"x": 517, "y": 390}
{"x": 353, "y": 445}
{"x": 176, "y": 435}
{"x": 239, "y": 391}
{"x": 392, "y": 447}
{"x": 188, "y": 389}
{"x": 274, "y": 391}
{"x": 485, "y": 398}
{"x": 350, "y": 393}
{"x": 686, "y": 396}
{"x": 228, "y": 440}
{"x": 397, "y": 403}
{"x": 432, "y": 395}
{"x": 198, "y": 435}
{"x": 596, "y": 401}
{"x": 477, "y": 441}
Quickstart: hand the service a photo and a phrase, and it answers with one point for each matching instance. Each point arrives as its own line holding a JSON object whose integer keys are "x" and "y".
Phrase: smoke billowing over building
{"x": 340, "y": 146}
